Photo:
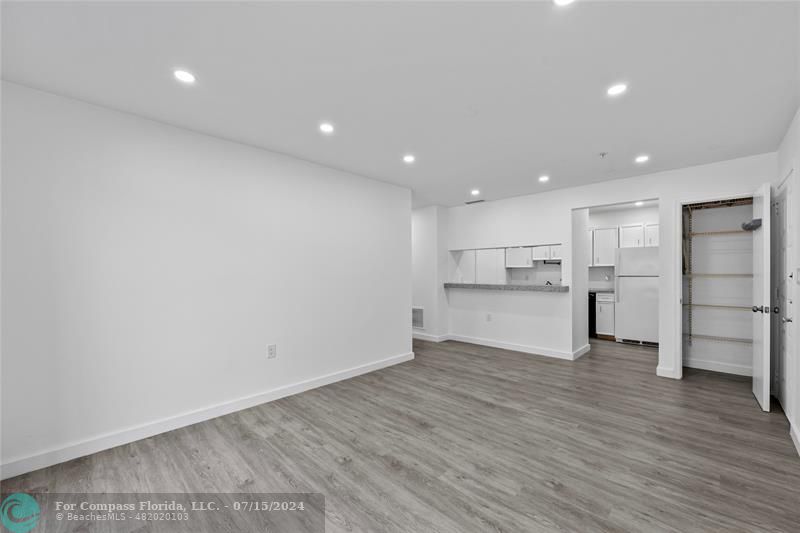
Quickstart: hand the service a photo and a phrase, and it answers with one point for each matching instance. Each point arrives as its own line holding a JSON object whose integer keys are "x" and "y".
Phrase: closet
{"x": 718, "y": 286}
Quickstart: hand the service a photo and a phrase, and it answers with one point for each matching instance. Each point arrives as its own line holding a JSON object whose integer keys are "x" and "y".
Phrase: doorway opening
{"x": 725, "y": 288}
{"x": 621, "y": 266}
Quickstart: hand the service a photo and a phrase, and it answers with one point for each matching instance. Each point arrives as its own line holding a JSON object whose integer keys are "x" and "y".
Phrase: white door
{"x": 605, "y": 246}
{"x": 761, "y": 297}
{"x": 651, "y": 235}
{"x": 541, "y": 252}
{"x": 631, "y": 236}
{"x": 783, "y": 291}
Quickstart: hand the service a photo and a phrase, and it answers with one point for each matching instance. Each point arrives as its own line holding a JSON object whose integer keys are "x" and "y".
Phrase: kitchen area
{"x": 510, "y": 297}
{"x": 623, "y": 273}
{"x": 531, "y": 268}
{"x": 525, "y": 287}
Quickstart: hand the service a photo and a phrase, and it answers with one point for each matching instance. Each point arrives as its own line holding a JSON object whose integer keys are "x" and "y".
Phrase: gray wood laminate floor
{"x": 468, "y": 438}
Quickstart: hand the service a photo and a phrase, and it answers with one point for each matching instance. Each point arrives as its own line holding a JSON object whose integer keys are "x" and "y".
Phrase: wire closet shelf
{"x": 688, "y": 236}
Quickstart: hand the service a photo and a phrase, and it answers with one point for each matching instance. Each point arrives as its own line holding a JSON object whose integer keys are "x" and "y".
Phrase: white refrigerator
{"x": 636, "y": 293}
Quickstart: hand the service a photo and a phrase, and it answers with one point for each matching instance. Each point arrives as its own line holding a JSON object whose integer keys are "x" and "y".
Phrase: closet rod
{"x": 721, "y": 339}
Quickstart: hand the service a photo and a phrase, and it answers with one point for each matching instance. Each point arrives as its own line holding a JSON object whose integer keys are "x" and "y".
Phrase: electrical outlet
{"x": 272, "y": 351}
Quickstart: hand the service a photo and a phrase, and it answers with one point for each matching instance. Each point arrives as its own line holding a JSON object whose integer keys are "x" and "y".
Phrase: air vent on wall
{"x": 417, "y": 317}
{"x": 474, "y": 202}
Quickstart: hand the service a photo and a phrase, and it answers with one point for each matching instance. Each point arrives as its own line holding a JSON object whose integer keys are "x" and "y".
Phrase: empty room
{"x": 400, "y": 266}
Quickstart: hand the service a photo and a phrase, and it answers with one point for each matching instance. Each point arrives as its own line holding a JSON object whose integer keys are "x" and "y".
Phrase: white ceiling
{"x": 487, "y": 95}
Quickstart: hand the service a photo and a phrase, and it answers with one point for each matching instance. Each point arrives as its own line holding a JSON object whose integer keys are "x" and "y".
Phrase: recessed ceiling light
{"x": 475, "y": 192}
{"x": 644, "y": 158}
{"x": 639, "y": 204}
{"x": 617, "y": 89}
{"x": 544, "y": 179}
{"x": 563, "y": 2}
{"x": 326, "y": 128}
{"x": 184, "y": 76}
{"x": 409, "y": 158}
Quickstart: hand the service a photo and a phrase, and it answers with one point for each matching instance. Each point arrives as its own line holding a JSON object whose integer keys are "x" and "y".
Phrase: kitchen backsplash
{"x": 601, "y": 278}
{"x": 538, "y": 275}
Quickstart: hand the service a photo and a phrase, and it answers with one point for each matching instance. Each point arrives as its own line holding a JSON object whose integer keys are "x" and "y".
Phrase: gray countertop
{"x": 508, "y": 287}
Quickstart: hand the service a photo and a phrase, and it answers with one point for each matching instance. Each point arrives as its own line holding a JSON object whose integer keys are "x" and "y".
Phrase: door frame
{"x": 678, "y": 263}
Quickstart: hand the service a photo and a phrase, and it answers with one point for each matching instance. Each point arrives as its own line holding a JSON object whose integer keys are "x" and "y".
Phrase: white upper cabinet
{"x": 651, "y": 235}
{"x": 631, "y": 236}
{"x": 605, "y": 244}
{"x": 490, "y": 266}
{"x": 541, "y": 252}
{"x": 519, "y": 257}
{"x": 555, "y": 251}
{"x": 464, "y": 271}
{"x": 591, "y": 247}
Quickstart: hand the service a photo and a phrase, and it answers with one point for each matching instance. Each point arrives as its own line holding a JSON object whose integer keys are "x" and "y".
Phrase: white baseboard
{"x": 795, "y": 433}
{"x": 716, "y": 366}
{"x": 99, "y": 443}
{"x": 536, "y": 350}
{"x": 428, "y": 337}
{"x": 581, "y": 351}
{"x": 667, "y": 372}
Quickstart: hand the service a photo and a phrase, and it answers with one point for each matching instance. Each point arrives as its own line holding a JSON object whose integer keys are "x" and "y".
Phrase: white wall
{"x": 430, "y": 267}
{"x": 146, "y": 268}
{"x": 606, "y": 218}
{"x": 524, "y": 321}
{"x": 580, "y": 280}
{"x": 546, "y": 217}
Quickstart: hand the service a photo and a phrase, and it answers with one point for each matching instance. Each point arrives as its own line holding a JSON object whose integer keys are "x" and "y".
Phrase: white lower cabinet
{"x": 604, "y": 316}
